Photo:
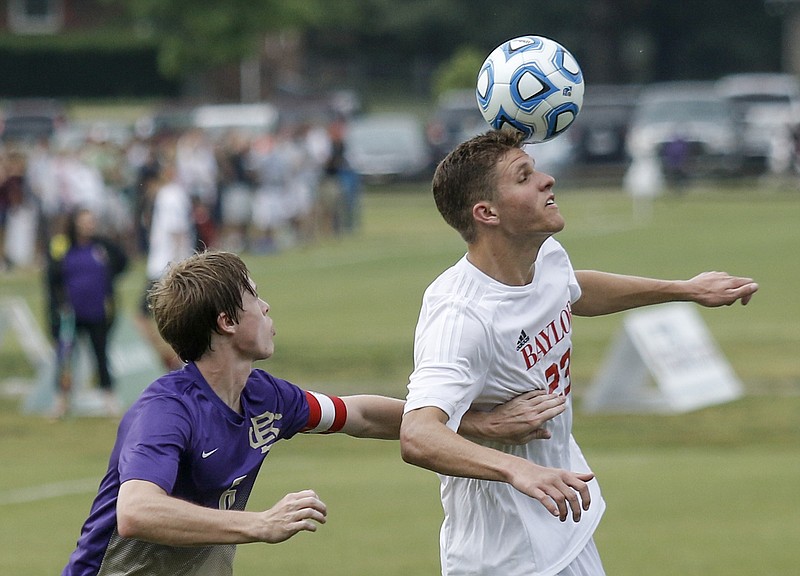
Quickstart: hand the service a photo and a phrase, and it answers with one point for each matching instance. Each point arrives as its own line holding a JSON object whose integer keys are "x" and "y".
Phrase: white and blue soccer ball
{"x": 532, "y": 84}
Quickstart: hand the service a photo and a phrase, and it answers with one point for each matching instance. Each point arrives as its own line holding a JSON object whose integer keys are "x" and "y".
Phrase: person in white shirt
{"x": 495, "y": 325}
{"x": 172, "y": 235}
{"x": 172, "y": 238}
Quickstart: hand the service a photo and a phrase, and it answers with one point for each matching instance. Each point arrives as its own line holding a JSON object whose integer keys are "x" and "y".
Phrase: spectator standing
{"x": 236, "y": 191}
{"x": 349, "y": 181}
{"x": 271, "y": 199}
{"x": 172, "y": 238}
{"x": 82, "y": 269}
{"x": 17, "y": 217}
{"x": 198, "y": 172}
{"x": 300, "y": 186}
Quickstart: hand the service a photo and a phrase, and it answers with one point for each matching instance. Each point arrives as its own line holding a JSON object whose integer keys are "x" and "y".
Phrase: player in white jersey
{"x": 498, "y": 323}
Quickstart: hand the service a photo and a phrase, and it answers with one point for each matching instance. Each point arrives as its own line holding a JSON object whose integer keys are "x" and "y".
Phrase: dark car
{"x": 601, "y": 128}
{"x": 29, "y": 121}
{"x": 457, "y": 118}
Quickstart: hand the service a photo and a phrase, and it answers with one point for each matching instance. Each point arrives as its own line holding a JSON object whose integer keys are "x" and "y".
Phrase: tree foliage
{"x": 615, "y": 40}
{"x": 197, "y": 34}
{"x": 460, "y": 71}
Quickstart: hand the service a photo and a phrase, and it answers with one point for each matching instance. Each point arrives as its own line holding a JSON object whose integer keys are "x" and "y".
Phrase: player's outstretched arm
{"x": 518, "y": 421}
{"x": 371, "y": 416}
{"x": 606, "y": 293}
{"x": 146, "y": 512}
{"x": 427, "y": 442}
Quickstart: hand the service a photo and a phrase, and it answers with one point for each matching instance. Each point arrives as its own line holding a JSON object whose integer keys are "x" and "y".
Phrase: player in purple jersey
{"x": 188, "y": 451}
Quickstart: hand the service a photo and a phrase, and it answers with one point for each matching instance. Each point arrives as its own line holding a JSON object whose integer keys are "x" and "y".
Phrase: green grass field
{"x": 705, "y": 493}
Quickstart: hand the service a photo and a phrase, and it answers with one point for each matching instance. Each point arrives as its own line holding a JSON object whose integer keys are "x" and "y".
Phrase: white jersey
{"x": 480, "y": 343}
{"x": 171, "y": 230}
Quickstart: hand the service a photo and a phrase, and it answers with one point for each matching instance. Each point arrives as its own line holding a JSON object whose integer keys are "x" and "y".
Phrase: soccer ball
{"x": 532, "y": 84}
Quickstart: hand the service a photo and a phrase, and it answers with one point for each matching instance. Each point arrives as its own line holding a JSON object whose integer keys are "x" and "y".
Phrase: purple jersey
{"x": 87, "y": 278}
{"x": 181, "y": 436}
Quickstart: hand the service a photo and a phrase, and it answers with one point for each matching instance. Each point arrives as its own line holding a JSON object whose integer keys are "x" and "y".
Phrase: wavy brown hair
{"x": 189, "y": 298}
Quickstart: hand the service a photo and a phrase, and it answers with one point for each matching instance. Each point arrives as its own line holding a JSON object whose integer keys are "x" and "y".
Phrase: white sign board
{"x": 17, "y": 317}
{"x": 664, "y": 360}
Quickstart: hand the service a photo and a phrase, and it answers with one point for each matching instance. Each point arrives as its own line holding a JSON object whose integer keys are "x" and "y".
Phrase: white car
{"x": 767, "y": 107}
{"x": 690, "y": 116}
{"x": 388, "y": 146}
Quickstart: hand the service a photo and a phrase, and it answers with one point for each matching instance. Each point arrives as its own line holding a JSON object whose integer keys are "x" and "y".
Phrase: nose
{"x": 546, "y": 180}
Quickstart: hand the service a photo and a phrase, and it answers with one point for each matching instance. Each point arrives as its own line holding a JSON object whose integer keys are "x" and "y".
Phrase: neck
{"x": 226, "y": 379}
{"x": 504, "y": 262}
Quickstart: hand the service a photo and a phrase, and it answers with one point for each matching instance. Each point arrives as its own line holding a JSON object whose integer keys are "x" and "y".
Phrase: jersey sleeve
{"x": 452, "y": 349}
{"x": 154, "y": 441}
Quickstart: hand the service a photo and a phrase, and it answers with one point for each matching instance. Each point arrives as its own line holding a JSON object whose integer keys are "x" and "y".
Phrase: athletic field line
{"x": 48, "y": 491}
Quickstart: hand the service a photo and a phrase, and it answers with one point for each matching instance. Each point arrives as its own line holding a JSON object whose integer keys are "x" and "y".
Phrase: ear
{"x": 224, "y": 324}
{"x": 484, "y": 213}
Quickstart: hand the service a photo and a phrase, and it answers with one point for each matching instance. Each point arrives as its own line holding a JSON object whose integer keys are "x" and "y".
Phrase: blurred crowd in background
{"x": 79, "y": 201}
{"x": 264, "y": 176}
{"x": 250, "y": 189}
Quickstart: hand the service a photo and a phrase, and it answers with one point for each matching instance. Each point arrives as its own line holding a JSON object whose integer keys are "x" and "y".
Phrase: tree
{"x": 458, "y": 72}
{"x": 615, "y": 41}
{"x": 195, "y": 35}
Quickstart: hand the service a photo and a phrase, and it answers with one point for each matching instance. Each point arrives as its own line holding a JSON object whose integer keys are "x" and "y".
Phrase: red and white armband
{"x": 326, "y": 414}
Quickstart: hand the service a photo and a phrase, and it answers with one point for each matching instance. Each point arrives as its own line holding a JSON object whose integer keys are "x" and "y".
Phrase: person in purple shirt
{"x": 82, "y": 268}
{"x": 188, "y": 451}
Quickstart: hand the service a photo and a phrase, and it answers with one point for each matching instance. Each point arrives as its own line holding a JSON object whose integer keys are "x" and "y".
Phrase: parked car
{"x": 30, "y": 120}
{"x": 556, "y": 157}
{"x": 217, "y": 119}
{"x": 767, "y": 107}
{"x": 388, "y": 146}
{"x": 75, "y": 133}
{"x": 601, "y": 128}
{"x": 688, "y": 126}
{"x": 457, "y": 118}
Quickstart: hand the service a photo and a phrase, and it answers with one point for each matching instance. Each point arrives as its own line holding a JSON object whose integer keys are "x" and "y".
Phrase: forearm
{"x": 476, "y": 424}
{"x": 162, "y": 519}
{"x": 428, "y": 443}
{"x": 371, "y": 416}
{"x": 517, "y": 421}
{"x": 605, "y": 293}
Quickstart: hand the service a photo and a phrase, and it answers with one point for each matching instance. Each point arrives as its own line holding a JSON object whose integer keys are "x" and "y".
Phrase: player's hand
{"x": 560, "y": 491}
{"x": 295, "y": 512}
{"x": 522, "y": 418}
{"x": 714, "y": 289}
